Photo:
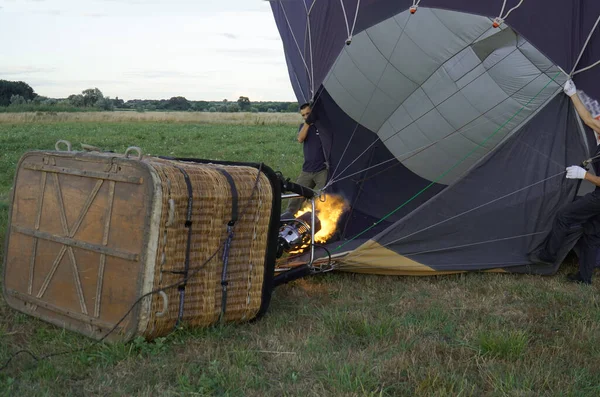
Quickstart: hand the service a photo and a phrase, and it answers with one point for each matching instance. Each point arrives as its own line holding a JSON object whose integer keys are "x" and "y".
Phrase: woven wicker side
{"x": 212, "y": 210}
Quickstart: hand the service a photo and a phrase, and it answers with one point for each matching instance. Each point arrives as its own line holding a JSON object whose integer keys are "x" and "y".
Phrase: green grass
{"x": 336, "y": 334}
{"x": 274, "y": 145}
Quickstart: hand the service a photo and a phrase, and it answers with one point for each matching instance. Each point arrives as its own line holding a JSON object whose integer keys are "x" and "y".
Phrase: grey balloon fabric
{"x": 447, "y": 135}
{"x": 435, "y": 84}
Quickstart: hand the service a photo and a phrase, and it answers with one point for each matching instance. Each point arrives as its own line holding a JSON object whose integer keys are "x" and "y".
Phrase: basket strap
{"x": 230, "y": 225}
{"x": 188, "y": 225}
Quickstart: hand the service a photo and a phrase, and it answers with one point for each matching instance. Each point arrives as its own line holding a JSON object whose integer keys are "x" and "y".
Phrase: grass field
{"x": 337, "y": 334}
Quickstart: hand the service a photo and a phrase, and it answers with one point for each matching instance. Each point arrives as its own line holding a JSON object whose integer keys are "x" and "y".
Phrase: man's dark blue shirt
{"x": 314, "y": 159}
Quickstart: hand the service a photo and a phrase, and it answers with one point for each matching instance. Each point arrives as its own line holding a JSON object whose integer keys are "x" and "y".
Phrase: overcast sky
{"x": 145, "y": 49}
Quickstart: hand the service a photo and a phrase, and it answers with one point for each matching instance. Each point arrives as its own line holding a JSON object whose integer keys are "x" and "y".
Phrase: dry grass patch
{"x": 153, "y": 117}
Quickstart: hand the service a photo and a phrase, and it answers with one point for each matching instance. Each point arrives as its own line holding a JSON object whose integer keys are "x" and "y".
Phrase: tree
{"x": 201, "y": 105}
{"x": 118, "y": 103}
{"x": 293, "y": 107}
{"x": 10, "y": 88}
{"x": 76, "y": 100}
{"x": 17, "y": 100}
{"x": 233, "y": 108}
{"x": 178, "y": 103}
{"x": 105, "y": 103}
{"x": 38, "y": 100}
{"x": 91, "y": 96}
{"x": 244, "y": 103}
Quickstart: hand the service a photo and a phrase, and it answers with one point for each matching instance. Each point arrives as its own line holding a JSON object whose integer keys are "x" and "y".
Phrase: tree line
{"x": 19, "y": 96}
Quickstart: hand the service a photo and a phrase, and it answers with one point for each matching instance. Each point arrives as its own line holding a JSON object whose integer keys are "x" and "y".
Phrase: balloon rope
{"x": 586, "y": 68}
{"x": 412, "y": 153}
{"x": 573, "y": 72}
{"x": 441, "y": 176}
{"x": 355, "y": 18}
{"x": 345, "y": 17}
{"x": 512, "y": 9}
{"x": 503, "y": 7}
{"x": 361, "y": 117}
{"x": 296, "y": 41}
{"x": 476, "y": 208}
{"x": 476, "y": 243}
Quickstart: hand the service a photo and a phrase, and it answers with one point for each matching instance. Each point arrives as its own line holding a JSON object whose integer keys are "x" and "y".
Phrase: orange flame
{"x": 329, "y": 212}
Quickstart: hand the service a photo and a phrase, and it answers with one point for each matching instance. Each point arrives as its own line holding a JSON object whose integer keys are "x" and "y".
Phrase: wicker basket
{"x": 180, "y": 241}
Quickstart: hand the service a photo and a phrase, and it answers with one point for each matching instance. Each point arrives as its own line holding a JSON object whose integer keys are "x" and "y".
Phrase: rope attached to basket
{"x": 226, "y": 248}
{"x": 188, "y": 225}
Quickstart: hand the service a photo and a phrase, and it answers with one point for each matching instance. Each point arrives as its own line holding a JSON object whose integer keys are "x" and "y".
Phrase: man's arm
{"x": 570, "y": 89}
{"x": 303, "y": 132}
{"x": 592, "y": 178}
{"x": 585, "y": 115}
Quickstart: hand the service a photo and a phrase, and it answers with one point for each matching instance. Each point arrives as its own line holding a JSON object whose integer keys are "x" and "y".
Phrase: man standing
{"x": 315, "y": 167}
{"x": 585, "y": 211}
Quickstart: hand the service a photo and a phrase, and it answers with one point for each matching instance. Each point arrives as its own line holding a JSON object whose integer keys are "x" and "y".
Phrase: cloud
{"x": 230, "y": 36}
{"x": 48, "y": 12}
{"x": 166, "y": 74}
{"x": 250, "y": 52}
{"x": 95, "y": 15}
{"x": 140, "y": 2}
{"x": 25, "y": 70}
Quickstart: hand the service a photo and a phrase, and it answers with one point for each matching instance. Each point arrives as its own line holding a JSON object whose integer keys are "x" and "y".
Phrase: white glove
{"x": 569, "y": 88}
{"x": 575, "y": 172}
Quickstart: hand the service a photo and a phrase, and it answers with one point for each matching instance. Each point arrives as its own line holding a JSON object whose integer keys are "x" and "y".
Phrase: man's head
{"x": 305, "y": 110}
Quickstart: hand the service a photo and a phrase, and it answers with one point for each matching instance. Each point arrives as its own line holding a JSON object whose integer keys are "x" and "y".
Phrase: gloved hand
{"x": 569, "y": 88}
{"x": 575, "y": 172}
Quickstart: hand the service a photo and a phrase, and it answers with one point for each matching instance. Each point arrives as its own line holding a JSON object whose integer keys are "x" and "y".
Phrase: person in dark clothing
{"x": 315, "y": 167}
{"x": 583, "y": 212}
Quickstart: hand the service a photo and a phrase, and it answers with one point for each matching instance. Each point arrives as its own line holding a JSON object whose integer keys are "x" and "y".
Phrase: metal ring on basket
{"x": 171, "y": 218}
{"x": 57, "y": 145}
{"x": 165, "y": 300}
{"x": 134, "y": 149}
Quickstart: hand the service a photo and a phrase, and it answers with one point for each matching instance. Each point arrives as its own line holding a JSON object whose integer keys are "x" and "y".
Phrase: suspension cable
{"x": 312, "y": 68}
{"x": 467, "y": 212}
{"x": 365, "y": 110}
{"x": 421, "y": 149}
{"x": 345, "y": 17}
{"x": 296, "y": 41}
{"x": 354, "y": 23}
{"x": 476, "y": 208}
{"x": 587, "y": 41}
{"x": 475, "y": 243}
{"x": 499, "y": 20}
